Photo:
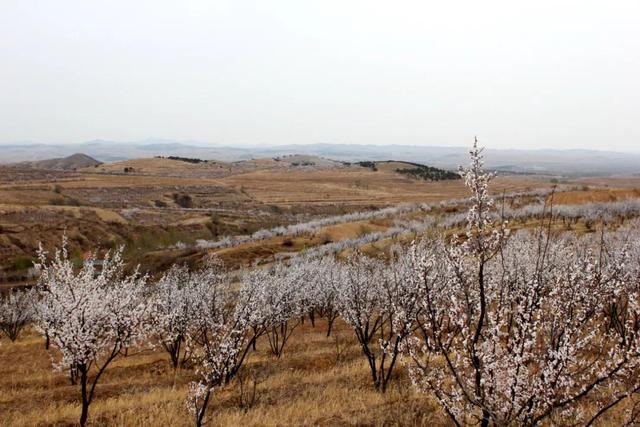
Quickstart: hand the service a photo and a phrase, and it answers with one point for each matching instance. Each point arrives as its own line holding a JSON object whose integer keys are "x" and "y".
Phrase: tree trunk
{"x": 175, "y": 354}
{"x": 485, "y": 419}
{"x": 85, "y": 398}
{"x": 73, "y": 375}
{"x": 203, "y": 410}
{"x": 372, "y": 366}
{"x": 329, "y": 327}
{"x": 312, "y": 317}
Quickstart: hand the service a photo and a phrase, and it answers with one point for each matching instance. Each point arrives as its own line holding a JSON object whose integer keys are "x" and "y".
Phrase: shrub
{"x": 22, "y": 262}
{"x": 367, "y": 164}
{"x": 287, "y": 242}
{"x": 61, "y": 201}
{"x": 57, "y": 201}
{"x": 183, "y": 200}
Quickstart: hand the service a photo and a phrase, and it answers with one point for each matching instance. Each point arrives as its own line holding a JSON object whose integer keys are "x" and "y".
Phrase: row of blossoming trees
{"x": 523, "y": 329}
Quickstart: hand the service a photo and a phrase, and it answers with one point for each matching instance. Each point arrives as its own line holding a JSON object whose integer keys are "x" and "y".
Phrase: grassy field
{"x": 164, "y": 203}
{"x": 318, "y": 381}
{"x": 167, "y": 202}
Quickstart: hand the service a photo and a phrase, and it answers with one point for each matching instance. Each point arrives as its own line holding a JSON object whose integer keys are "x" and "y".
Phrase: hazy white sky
{"x": 538, "y": 74}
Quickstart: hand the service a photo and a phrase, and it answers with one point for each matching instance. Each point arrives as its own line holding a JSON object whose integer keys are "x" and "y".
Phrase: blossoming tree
{"x": 90, "y": 316}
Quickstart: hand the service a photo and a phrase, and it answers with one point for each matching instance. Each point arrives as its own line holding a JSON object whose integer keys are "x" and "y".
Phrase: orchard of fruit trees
{"x": 501, "y": 328}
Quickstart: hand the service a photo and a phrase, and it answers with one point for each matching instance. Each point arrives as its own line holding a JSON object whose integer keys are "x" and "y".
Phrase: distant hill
{"x": 200, "y": 168}
{"x": 72, "y": 162}
{"x": 544, "y": 162}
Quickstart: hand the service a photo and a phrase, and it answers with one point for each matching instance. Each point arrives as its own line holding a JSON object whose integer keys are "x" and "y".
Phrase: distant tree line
{"x": 303, "y": 163}
{"x": 370, "y": 165}
{"x": 429, "y": 173}
{"x": 183, "y": 159}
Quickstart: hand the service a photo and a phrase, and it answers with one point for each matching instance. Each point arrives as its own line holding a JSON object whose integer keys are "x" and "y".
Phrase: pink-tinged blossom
{"x": 89, "y": 315}
{"x": 517, "y": 332}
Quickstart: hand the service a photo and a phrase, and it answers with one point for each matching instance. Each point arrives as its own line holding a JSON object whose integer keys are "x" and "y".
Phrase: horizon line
{"x": 202, "y": 144}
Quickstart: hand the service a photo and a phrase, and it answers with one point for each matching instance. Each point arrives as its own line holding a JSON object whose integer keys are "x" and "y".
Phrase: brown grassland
{"x": 140, "y": 209}
{"x": 318, "y": 380}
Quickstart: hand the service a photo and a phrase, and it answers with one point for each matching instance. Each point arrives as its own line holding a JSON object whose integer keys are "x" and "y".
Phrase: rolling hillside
{"x": 73, "y": 162}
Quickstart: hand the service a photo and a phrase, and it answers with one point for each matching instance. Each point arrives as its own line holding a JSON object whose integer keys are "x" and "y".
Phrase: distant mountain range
{"x": 554, "y": 162}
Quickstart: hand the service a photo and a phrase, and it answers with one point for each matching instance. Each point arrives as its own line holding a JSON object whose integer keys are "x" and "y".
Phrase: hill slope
{"x": 544, "y": 161}
{"x": 72, "y": 162}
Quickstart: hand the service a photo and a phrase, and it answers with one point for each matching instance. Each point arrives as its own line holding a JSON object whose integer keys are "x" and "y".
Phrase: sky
{"x": 540, "y": 74}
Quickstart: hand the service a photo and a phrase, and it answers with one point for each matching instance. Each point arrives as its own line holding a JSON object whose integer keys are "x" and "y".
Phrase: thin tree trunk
{"x": 85, "y": 398}
{"x": 485, "y": 419}
{"x": 175, "y": 354}
{"x": 200, "y": 414}
{"x": 329, "y": 327}
{"x": 312, "y": 317}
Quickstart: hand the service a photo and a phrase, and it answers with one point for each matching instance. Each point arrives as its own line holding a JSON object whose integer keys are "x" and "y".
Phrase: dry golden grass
{"x": 595, "y": 195}
{"x": 610, "y": 181}
{"x": 247, "y": 253}
{"x": 359, "y": 186}
{"x": 318, "y": 381}
{"x": 309, "y": 385}
{"x": 354, "y": 186}
{"x": 147, "y": 166}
